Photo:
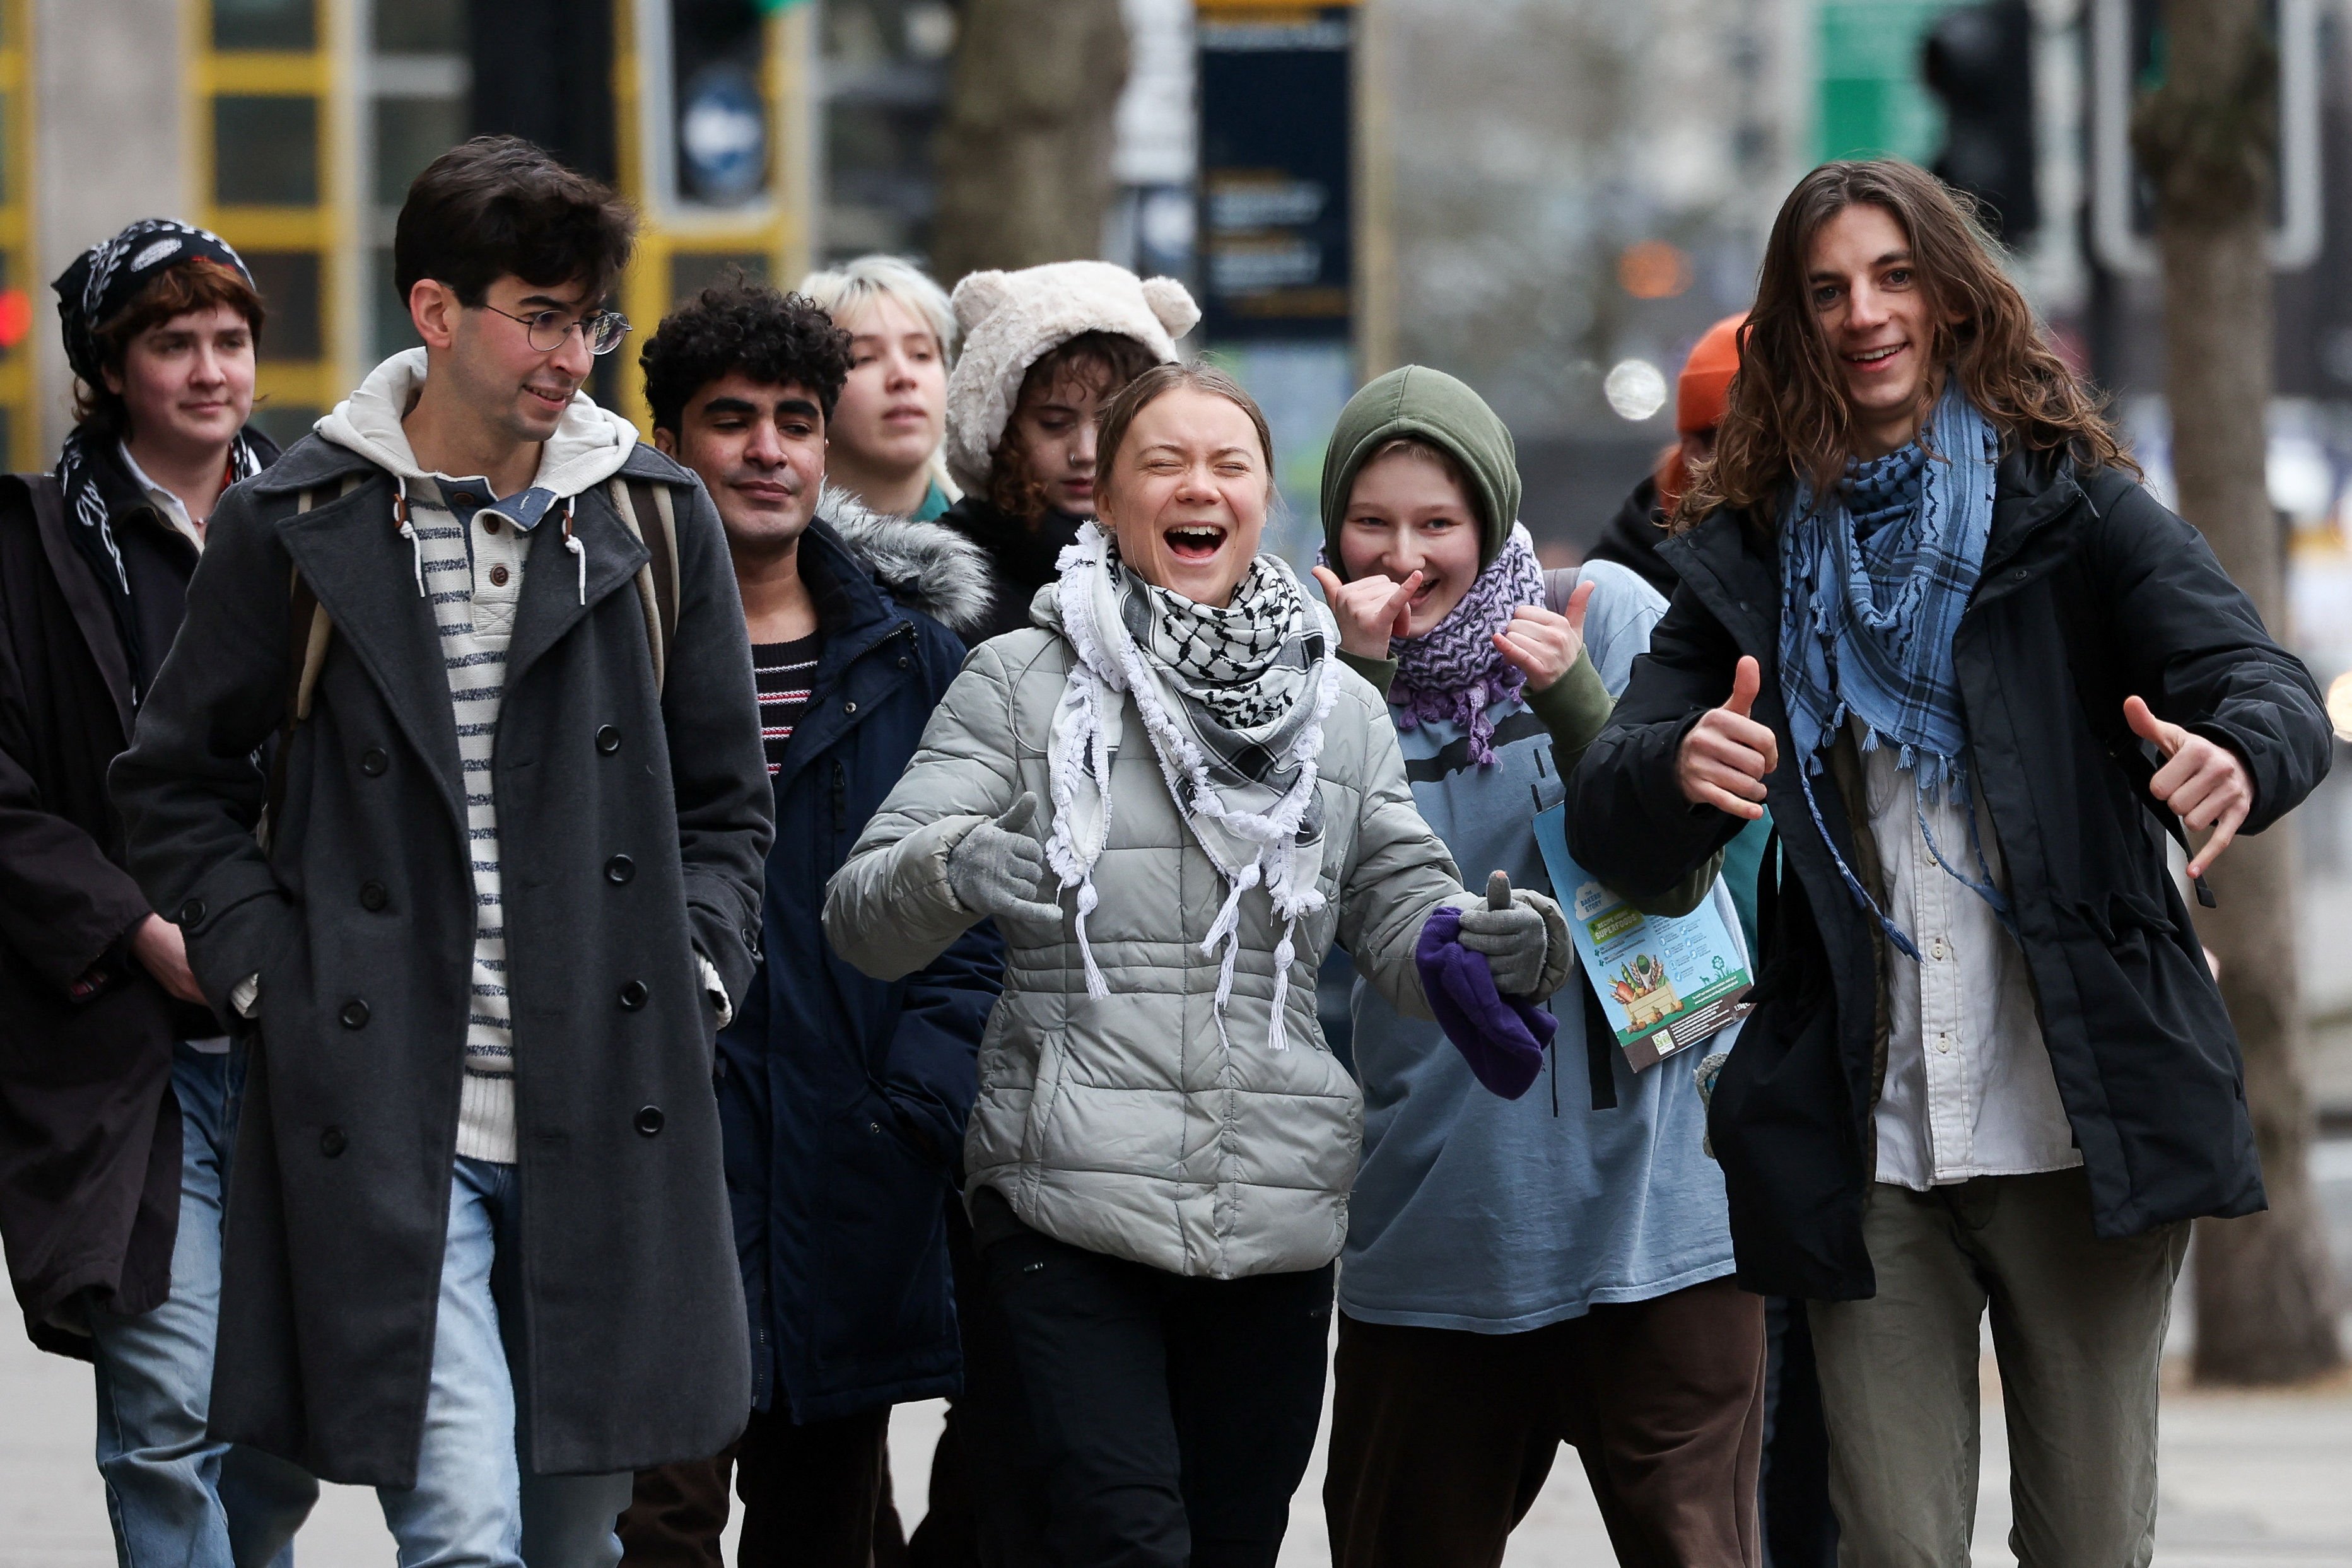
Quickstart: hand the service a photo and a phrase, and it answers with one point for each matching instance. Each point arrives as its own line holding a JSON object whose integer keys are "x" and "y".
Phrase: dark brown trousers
{"x": 811, "y": 1495}
{"x": 1441, "y": 1438}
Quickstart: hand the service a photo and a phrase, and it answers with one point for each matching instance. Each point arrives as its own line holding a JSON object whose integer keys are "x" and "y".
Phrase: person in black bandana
{"x": 110, "y": 1180}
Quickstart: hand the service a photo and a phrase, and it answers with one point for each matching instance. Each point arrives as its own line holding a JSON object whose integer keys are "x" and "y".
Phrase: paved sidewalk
{"x": 2250, "y": 1481}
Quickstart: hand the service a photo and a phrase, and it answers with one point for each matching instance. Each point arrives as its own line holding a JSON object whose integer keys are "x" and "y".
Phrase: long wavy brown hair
{"x": 1788, "y": 415}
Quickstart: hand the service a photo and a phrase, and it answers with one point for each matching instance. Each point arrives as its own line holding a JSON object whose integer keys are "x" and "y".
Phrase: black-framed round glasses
{"x": 547, "y": 330}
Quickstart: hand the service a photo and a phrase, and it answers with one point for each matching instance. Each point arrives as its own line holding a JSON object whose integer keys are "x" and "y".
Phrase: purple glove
{"x": 1502, "y": 1039}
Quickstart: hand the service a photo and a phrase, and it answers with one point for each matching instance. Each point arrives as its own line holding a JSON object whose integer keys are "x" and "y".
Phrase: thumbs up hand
{"x": 2206, "y": 785}
{"x": 1524, "y": 936}
{"x": 1725, "y": 755}
{"x": 1542, "y": 643}
{"x": 994, "y": 870}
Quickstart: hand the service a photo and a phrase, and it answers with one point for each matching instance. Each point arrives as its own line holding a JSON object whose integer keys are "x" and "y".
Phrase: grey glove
{"x": 1524, "y": 937}
{"x": 997, "y": 867}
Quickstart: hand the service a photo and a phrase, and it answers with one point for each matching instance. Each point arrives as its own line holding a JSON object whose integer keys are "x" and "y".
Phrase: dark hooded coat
{"x": 90, "y": 1133}
{"x": 632, "y": 827}
{"x": 843, "y": 1098}
{"x": 2090, "y": 592}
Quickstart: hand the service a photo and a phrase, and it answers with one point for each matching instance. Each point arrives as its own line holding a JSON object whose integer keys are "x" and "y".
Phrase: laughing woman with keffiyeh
{"x": 1171, "y": 796}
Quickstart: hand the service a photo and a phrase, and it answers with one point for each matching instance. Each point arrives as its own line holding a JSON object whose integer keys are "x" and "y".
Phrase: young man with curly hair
{"x": 1976, "y": 673}
{"x": 842, "y": 1099}
{"x": 505, "y": 895}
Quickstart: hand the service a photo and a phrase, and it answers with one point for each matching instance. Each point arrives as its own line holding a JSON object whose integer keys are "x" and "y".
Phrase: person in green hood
{"x": 1517, "y": 1273}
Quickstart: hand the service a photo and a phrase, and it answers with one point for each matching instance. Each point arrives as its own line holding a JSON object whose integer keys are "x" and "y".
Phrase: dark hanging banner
{"x": 1277, "y": 253}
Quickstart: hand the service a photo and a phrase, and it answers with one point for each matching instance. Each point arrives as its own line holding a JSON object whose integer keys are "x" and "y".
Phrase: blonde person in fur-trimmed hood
{"x": 1171, "y": 797}
{"x": 1045, "y": 349}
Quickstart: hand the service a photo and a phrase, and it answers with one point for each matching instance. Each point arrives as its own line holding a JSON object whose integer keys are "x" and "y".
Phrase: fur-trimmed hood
{"x": 924, "y": 566}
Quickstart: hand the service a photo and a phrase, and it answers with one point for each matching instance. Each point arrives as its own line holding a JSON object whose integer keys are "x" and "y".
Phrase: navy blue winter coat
{"x": 842, "y": 1099}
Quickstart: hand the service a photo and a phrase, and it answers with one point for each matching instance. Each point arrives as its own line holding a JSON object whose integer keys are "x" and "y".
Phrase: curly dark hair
{"x": 739, "y": 324}
{"x": 1102, "y": 362}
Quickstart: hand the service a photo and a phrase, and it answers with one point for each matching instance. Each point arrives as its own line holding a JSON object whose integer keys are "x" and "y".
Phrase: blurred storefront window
{"x": 883, "y": 82}
{"x": 263, "y": 76}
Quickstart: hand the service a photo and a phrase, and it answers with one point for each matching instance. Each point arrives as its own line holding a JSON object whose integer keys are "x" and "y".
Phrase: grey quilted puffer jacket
{"x": 1125, "y": 1125}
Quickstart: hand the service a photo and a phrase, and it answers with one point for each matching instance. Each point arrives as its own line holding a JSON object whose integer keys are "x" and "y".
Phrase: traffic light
{"x": 1979, "y": 61}
{"x": 718, "y": 48}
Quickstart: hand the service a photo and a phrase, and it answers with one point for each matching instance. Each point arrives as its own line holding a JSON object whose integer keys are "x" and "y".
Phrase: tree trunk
{"x": 1023, "y": 154}
{"x": 2266, "y": 1294}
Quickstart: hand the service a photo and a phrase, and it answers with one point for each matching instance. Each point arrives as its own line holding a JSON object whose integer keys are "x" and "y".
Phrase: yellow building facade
{"x": 296, "y": 125}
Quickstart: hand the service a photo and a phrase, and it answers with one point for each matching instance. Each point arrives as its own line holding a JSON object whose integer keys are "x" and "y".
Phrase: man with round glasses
{"x": 480, "y": 1254}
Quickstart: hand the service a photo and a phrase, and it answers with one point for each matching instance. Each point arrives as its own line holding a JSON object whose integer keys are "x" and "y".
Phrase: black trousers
{"x": 1124, "y": 1418}
{"x": 810, "y": 1497}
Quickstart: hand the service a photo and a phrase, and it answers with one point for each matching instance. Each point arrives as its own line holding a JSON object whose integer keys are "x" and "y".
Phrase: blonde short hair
{"x": 842, "y": 290}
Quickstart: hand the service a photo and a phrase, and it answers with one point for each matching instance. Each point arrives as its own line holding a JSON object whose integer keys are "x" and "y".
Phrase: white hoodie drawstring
{"x": 579, "y": 550}
{"x": 408, "y": 530}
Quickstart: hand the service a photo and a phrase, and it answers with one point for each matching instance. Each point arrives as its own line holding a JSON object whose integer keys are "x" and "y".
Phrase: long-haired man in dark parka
{"x": 478, "y": 1254}
{"x": 1978, "y": 674}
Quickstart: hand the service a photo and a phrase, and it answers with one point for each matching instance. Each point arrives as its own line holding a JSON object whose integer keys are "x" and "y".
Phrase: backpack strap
{"x": 647, "y": 509}
{"x": 309, "y": 629}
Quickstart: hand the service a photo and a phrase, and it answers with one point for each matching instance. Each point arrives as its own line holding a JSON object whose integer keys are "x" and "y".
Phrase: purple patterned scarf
{"x": 1453, "y": 672}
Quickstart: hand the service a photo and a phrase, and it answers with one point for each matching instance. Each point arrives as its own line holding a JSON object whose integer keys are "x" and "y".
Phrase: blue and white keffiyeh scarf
{"x": 1874, "y": 577}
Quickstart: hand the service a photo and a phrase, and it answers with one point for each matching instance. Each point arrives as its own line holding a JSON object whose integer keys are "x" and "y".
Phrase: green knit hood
{"x": 1418, "y": 401}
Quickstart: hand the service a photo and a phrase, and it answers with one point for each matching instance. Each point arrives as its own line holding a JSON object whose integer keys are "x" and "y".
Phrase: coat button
{"x": 354, "y": 1013}
{"x": 619, "y": 869}
{"x": 331, "y": 1143}
{"x": 649, "y": 1120}
{"x": 608, "y": 739}
{"x": 499, "y": 576}
{"x": 373, "y": 897}
{"x": 849, "y": 708}
{"x": 372, "y": 761}
{"x": 752, "y": 940}
{"x": 489, "y": 524}
{"x": 192, "y": 912}
{"x": 906, "y": 663}
{"x": 633, "y": 996}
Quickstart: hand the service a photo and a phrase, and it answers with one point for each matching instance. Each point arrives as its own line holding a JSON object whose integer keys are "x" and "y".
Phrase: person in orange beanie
{"x": 1632, "y": 537}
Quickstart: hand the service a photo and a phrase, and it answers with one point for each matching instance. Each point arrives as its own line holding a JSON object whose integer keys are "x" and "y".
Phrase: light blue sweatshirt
{"x": 1474, "y": 1212}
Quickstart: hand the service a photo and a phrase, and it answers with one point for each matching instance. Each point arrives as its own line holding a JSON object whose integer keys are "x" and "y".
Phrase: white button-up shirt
{"x": 174, "y": 509}
{"x": 1969, "y": 1089}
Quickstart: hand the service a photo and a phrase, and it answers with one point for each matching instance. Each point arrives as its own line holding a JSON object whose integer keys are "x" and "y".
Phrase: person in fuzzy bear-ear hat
{"x": 1044, "y": 349}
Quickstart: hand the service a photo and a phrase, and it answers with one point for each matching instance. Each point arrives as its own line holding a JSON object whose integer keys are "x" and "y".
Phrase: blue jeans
{"x": 174, "y": 1496}
{"x": 472, "y": 1507}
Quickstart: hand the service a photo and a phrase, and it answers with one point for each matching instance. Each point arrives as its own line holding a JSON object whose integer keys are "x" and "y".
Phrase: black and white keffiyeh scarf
{"x": 98, "y": 490}
{"x": 1233, "y": 699}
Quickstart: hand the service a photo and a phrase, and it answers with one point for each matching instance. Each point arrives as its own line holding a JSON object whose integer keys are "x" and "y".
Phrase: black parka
{"x": 632, "y": 827}
{"x": 2091, "y": 591}
{"x": 89, "y": 1131}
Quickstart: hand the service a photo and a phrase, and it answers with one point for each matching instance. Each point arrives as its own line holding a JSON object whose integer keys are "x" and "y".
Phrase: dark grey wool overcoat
{"x": 634, "y": 824}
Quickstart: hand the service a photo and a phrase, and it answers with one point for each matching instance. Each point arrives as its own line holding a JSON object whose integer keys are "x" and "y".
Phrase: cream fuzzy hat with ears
{"x": 1011, "y": 320}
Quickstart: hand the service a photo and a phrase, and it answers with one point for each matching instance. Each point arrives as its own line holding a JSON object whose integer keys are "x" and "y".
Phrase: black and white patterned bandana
{"x": 108, "y": 275}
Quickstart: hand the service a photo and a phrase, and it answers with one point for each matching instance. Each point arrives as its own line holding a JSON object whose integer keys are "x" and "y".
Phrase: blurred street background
{"x": 1549, "y": 198}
